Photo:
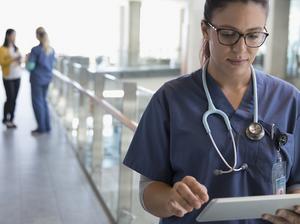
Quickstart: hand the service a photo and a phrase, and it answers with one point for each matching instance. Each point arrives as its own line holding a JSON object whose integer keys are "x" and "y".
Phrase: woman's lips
{"x": 238, "y": 61}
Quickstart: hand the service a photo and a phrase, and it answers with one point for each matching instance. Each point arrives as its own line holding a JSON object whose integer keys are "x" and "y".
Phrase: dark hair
{"x": 209, "y": 9}
{"x": 6, "y": 41}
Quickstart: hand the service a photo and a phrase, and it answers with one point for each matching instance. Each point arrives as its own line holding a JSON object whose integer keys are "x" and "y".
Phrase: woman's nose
{"x": 240, "y": 45}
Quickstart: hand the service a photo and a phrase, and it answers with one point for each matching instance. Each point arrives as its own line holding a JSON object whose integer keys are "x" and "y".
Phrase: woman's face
{"x": 38, "y": 32}
{"x": 37, "y": 35}
{"x": 12, "y": 37}
{"x": 241, "y": 17}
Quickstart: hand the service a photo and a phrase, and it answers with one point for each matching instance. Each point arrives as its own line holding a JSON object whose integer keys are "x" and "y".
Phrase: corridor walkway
{"x": 41, "y": 181}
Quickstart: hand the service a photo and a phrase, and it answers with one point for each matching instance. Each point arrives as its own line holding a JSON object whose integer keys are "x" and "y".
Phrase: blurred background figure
{"x": 10, "y": 60}
{"x": 40, "y": 64}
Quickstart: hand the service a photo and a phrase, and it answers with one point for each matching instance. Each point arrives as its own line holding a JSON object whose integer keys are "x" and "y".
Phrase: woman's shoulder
{"x": 273, "y": 83}
{"x": 38, "y": 47}
{"x": 35, "y": 49}
{"x": 3, "y": 49}
{"x": 180, "y": 84}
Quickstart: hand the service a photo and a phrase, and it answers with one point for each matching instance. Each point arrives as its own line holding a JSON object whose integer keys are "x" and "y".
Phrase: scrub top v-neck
{"x": 171, "y": 142}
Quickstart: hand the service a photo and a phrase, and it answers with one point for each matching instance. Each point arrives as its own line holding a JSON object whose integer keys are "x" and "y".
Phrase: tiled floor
{"x": 41, "y": 181}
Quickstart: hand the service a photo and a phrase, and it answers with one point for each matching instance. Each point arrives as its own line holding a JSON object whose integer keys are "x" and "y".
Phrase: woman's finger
{"x": 176, "y": 209}
{"x": 186, "y": 193}
{"x": 197, "y": 188}
{"x": 274, "y": 219}
{"x": 291, "y": 216}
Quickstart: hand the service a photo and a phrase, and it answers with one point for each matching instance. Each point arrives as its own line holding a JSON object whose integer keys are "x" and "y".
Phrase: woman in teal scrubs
{"x": 185, "y": 162}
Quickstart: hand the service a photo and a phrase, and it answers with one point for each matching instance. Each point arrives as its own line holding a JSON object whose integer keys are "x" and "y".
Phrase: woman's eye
{"x": 228, "y": 33}
{"x": 253, "y": 36}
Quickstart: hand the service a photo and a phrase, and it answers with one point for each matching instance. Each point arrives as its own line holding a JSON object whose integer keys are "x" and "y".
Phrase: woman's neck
{"x": 229, "y": 79}
{"x": 233, "y": 85}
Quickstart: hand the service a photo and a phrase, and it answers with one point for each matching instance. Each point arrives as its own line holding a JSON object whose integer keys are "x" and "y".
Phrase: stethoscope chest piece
{"x": 255, "y": 131}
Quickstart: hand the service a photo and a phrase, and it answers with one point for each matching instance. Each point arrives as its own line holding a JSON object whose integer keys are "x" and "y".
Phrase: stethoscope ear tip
{"x": 244, "y": 166}
{"x": 218, "y": 172}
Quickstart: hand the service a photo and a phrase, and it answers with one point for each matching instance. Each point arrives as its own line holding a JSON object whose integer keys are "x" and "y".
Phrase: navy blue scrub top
{"x": 171, "y": 142}
{"x": 42, "y": 73}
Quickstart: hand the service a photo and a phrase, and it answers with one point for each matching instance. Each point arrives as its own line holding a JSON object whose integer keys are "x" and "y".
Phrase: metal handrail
{"x": 143, "y": 89}
{"x": 103, "y": 103}
{"x": 140, "y": 88}
{"x": 76, "y": 107}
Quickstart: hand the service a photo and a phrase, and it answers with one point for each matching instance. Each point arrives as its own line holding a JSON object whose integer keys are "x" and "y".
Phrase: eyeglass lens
{"x": 230, "y": 37}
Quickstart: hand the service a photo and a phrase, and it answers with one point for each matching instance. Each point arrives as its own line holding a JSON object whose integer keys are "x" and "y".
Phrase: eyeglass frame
{"x": 244, "y": 35}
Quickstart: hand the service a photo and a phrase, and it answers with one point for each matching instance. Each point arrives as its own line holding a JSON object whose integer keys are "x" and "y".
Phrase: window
{"x": 160, "y": 30}
{"x": 293, "y": 68}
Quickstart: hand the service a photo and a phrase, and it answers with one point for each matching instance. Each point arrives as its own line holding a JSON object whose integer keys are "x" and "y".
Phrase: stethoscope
{"x": 254, "y": 132}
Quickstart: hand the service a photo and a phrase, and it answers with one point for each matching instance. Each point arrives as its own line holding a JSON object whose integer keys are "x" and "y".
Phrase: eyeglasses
{"x": 229, "y": 37}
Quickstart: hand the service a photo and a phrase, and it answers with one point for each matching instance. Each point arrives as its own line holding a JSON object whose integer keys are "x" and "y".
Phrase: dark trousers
{"x": 40, "y": 106}
{"x": 11, "y": 88}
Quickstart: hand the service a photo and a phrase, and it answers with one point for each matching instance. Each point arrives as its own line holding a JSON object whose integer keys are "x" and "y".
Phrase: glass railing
{"x": 100, "y": 114}
{"x": 143, "y": 97}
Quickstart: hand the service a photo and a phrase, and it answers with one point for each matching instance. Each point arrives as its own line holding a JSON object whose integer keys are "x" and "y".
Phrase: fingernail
{"x": 207, "y": 198}
{"x": 198, "y": 205}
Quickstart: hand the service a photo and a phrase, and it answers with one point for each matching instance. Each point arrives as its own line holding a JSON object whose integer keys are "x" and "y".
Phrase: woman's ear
{"x": 204, "y": 29}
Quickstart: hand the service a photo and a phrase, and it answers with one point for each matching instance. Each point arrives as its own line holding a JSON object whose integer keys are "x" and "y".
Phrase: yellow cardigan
{"x": 5, "y": 60}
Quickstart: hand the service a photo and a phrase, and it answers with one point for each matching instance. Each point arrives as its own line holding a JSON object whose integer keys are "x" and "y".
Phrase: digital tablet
{"x": 251, "y": 207}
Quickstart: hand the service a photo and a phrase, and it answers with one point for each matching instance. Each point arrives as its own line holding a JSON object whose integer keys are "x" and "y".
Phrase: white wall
{"x": 74, "y": 26}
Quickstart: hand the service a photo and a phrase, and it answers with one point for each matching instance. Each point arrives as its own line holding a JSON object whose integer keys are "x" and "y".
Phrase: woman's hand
{"x": 186, "y": 195}
{"x": 284, "y": 216}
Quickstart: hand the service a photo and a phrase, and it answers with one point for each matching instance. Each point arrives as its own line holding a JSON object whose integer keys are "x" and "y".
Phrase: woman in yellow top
{"x": 10, "y": 60}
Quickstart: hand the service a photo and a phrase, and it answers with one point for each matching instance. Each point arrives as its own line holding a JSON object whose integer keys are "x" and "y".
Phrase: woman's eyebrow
{"x": 256, "y": 29}
{"x": 225, "y": 26}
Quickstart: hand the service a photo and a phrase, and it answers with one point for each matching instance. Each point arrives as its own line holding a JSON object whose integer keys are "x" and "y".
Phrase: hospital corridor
{"x": 134, "y": 106}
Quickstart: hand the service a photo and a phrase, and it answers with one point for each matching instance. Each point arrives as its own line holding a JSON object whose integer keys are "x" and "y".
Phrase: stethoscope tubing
{"x": 213, "y": 110}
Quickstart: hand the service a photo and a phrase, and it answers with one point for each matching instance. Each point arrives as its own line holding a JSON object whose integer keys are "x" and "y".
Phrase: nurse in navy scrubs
{"x": 40, "y": 64}
{"x": 226, "y": 130}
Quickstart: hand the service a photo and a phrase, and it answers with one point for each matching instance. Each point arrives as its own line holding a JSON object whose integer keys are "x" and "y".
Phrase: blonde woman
{"x": 40, "y": 64}
{"x": 10, "y": 60}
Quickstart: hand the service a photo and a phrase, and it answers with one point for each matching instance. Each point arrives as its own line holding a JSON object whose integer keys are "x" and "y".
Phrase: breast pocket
{"x": 267, "y": 156}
